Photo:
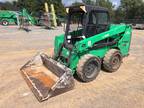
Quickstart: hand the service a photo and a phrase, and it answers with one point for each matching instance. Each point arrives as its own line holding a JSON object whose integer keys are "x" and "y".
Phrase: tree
{"x": 6, "y": 6}
{"x": 89, "y": 2}
{"x": 107, "y": 4}
{"x": 132, "y": 8}
{"x": 33, "y": 6}
{"x": 38, "y": 5}
{"x": 60, "y": 9}
{"x": 119, "y": 15}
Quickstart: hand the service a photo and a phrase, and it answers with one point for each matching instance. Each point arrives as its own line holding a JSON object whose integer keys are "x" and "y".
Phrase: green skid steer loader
{"x": 90, "y": 43}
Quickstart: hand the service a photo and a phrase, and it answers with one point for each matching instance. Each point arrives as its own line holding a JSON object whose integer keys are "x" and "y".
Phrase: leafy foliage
{"x": 128, "y": 9}
{"x": 109, "y": 5}
{"x": 132, "y": 8}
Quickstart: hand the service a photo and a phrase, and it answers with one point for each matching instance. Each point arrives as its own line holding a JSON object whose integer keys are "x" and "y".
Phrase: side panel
{"x": 89, "y": 42}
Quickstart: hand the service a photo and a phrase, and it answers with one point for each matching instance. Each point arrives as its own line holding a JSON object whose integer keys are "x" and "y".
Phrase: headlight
{"x": 69, "y": 41}
{"x": 69, "y": 37}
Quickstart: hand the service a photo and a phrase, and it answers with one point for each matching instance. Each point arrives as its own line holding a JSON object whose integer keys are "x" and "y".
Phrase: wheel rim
{"x": 115, "y": 62}
{"x": 5, "y": 23}
{"x": 90, "y": 69}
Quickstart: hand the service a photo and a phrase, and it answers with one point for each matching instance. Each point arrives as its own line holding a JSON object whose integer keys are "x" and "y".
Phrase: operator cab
{"x": 85, "y": 21}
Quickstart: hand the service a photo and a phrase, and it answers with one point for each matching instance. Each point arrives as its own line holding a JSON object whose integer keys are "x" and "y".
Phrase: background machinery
{"x": 14, "y": 17}
{"x": 7, "y": 17}
{"x": 89, "y": 44}
{"x": 48, "y": 18}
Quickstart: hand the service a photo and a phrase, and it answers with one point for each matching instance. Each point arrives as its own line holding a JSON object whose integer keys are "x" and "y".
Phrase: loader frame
{"x": 116, "y": 36}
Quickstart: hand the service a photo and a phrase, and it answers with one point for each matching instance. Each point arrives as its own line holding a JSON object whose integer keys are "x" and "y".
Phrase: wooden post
{"x": 46, "y": 7}
{"x": 53, "y": 15}
{"x": 48, "y": 21}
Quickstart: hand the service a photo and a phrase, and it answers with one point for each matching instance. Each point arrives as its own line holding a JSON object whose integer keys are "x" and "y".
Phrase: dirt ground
{"x": 122, "y": 89}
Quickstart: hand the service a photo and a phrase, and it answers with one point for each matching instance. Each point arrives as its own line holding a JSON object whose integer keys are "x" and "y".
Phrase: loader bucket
{"x": 47, "y": 77}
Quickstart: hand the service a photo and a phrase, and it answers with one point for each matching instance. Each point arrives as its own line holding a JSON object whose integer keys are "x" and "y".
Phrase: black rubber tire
{"x": 5, "y": 23}
{"x": 88, "y": 68}
{"x": 112, "y": 60}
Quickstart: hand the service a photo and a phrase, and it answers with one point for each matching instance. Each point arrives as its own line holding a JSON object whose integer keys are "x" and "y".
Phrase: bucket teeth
{"x": 46, "y": 77}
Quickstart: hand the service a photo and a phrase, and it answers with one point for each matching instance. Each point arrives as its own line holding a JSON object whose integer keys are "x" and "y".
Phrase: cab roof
{"x": 86, "y": 8}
